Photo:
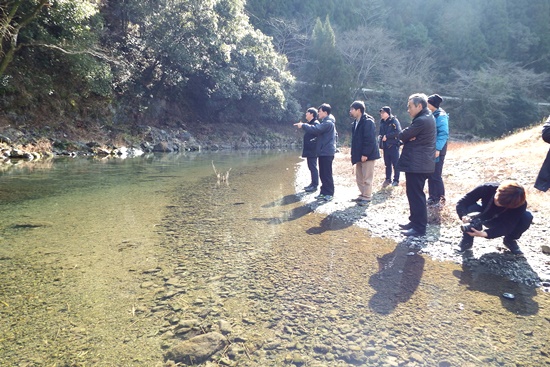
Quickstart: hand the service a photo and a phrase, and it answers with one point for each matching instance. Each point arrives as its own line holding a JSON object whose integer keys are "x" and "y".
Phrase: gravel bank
{"x": 390, "y": 207}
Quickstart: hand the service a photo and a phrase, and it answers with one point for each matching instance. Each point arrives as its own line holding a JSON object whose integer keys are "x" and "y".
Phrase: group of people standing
{"x": 418, "y": 158}
{"x": 424, "y": 142}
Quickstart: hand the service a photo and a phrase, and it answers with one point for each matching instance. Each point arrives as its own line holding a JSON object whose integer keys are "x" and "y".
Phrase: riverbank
{"x": 32, "y": 143}
{"x": 518, "y": 156}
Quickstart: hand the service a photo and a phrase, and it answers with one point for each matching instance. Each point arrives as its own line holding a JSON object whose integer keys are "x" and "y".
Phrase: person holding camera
{"x": 502, "y": 211}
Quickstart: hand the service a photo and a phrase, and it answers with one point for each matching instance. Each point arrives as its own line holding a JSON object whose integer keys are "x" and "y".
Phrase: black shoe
{"x": 413, "y": 233}
{"x": 466, "y": 244}
{"x": 512, "y": 246}
{"x": 310, "y": 189}
{"x": 395, "y": 183}
{"x": 386, "y": 183}
{"x": 406, "y": 226}
{"x": 432, "y": 202}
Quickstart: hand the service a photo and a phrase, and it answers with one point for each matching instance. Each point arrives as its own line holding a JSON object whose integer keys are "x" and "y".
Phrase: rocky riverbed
{"x": 253, "y": 272}
{"x": 301, "y": 285}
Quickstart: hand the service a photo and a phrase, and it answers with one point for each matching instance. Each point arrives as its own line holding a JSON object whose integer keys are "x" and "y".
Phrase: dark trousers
{"x": 436, "y": 188}
{"x": 312, "y": 165}
{"x": 391, "y": 156}
{"x": 325, "y": 174}
{"x": 414, "y": 184}
{"x": 522, "y": 226}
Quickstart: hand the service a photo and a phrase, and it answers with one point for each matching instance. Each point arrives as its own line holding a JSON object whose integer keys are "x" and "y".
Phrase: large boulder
{"x": 197, "y": 349}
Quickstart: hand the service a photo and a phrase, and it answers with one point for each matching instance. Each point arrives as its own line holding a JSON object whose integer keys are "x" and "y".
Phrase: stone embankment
{"x": 28, "y": 145}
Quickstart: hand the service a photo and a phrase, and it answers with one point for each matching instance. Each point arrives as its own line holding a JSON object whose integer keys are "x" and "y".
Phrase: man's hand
{"x": 476, "y": 233}
{"x": 437, "y": 153}
{"x": 384, "y": 138}
{"x": 299, "y": 124}
{"x": 364, "y": 158}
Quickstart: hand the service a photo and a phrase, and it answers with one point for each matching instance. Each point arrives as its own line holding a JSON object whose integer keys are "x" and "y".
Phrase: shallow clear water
{"x": 102, "y": 262}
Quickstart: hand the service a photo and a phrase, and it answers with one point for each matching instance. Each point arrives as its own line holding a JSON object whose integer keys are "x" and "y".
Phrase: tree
{"x": 498, "y": 98}
{"x": 14, "y": 16}
{"x": 201, "y": 55}
{"x": 63, "y": 26}
{"x": 325, "y": 76}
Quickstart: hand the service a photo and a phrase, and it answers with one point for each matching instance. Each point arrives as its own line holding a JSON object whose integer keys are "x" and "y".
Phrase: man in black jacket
{"x": 503, "y": 211}
{"x": 364, "y": 150}
{"x": 326, "y": 148}
{"x": 309, "y": 150}
{"x": 389, "y": 143}
{"x": 543, "y": 179}
{"x": 417, "y": 161}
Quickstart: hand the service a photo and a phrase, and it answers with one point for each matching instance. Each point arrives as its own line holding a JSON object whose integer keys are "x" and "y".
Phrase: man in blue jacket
{"x": 309, "y": 151}
{"x": 436, "y": 188}
{"x": 364, "y": 150}
{"x": 326, "y": 148}
{"x": 417, "y": 161}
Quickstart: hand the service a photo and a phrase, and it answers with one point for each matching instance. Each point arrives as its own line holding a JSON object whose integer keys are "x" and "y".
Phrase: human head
{"x": 357, "y": 109}
{"x": 434, "y": 101}
{"x": 385, "y": 112}
{"x": 510, "y": 195}
{"x": 311, "y": 114}
{"x": 324, "y": 110}
{"x": 417, "y": 102}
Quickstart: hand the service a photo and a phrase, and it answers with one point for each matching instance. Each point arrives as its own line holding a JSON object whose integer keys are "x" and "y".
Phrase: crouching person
{"x": 502, "y": 211}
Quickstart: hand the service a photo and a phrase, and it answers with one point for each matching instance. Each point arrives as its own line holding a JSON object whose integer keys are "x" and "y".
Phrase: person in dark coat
{"x": 309, "y": 150}
{"x": 503, "y": 211}
{"x": 389, "y": 143}
{"x": 364, "y": 150}
{"x": 417, "y": 161}
{"x": 543, "y": 179}
{"x": 326, "y": 148}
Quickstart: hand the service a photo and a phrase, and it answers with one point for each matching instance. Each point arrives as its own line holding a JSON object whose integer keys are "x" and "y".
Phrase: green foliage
{"x": 204, "y": 52}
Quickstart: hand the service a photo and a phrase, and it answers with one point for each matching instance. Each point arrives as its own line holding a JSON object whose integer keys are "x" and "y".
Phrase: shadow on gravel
{"x": 397, "y": 279}
{"x": 480, "y": 276}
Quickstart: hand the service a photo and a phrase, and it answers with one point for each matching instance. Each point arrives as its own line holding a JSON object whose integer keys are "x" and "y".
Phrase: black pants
{"x": 312, "y": 165}
{"x": 414, "y": 184}
{"x": 436, "y": 188}
{"x": 391, "y": 156}
{"x": 516, "y": 232}
{"x": 325, "y": 174}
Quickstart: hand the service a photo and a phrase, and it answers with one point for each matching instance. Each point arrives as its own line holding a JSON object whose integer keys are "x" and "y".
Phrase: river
{"x": 104, "y": 263}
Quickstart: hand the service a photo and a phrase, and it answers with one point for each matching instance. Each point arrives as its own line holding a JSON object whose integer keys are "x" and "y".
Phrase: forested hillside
{"x": 181, "y": 63}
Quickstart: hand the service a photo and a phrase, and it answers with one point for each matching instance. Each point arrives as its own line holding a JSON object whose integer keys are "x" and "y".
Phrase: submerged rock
{"x": 197, "y": 349}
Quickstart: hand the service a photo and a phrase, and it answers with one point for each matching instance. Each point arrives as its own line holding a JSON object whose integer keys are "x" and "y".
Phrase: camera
{"x": 475, "y": 223}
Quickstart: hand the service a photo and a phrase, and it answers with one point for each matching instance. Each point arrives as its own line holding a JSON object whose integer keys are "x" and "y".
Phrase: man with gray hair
{"x": 417, "y": 161}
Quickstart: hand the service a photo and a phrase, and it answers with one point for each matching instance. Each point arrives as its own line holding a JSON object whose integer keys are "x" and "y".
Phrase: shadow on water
{"x": 478, "y": 277}
{"x": 285, "y": 200}
{"x": 398, "y": 277}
